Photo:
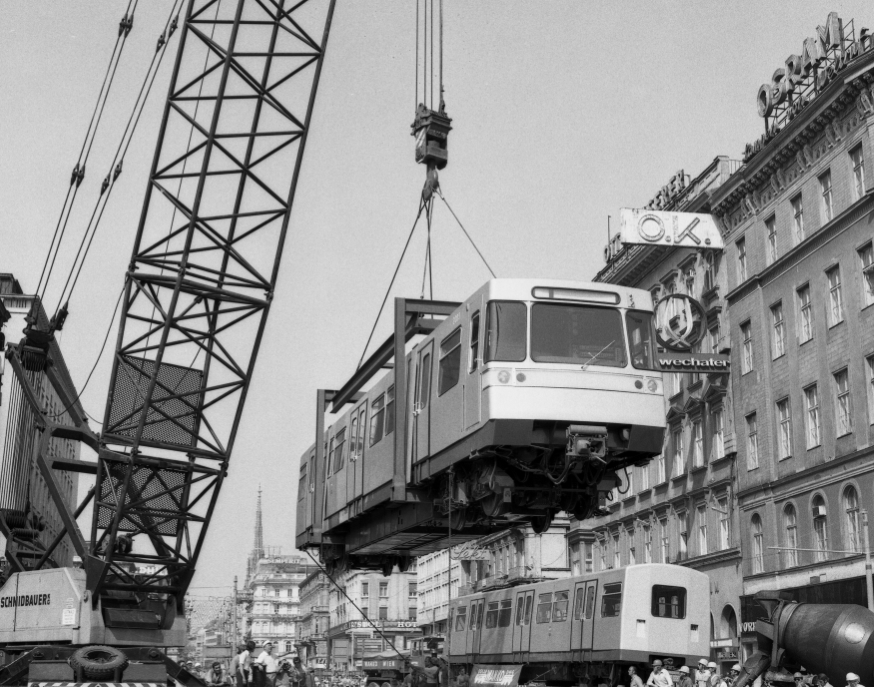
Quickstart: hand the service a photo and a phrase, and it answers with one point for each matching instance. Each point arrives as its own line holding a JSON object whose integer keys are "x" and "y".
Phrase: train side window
{"x": 341, "y": 445}
{"x": 611, "y": 602}
{"x": 425, "y": 383}
{"x": 559, "y": 607}
{"x": 460, "y": 618}
{"x": 529, "y": 604}
{"x": 578, "y": 604}
{"x": 668, "y": 602}
{"x": 520, "y": 611}
{"x": 353, "y": 438}
{"x": 390, "y": 410}
{"x": 302, "y": 483}
{"x": 330, "y": 468}
{"x": 506, "y": 613}
{"x": 473, "y": 362}
{"x": 450, "y": 362}
{"x": 492, "y": 615}
{"x": 506, "y": 331}
{"x": 590, "y": 602}
{"x": 544, "y": 608}
{"x": 476, "y": 616}
{"x": 377, "y": 419}
{"x": 639, "y": 325}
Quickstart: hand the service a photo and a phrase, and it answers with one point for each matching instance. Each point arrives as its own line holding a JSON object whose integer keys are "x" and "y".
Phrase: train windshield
{"x": 507, "y": 331}
{"x": 577, "y": 334}
{"x": 640, "y": 339}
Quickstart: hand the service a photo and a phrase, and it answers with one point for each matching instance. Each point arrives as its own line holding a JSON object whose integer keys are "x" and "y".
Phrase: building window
{"x": 412, "y": 612}
{"x": 798, "y": 219}
{"x": 724, "y": 524}
{"x": 843, "y": 411}
{"x": 679, "y": 449}
{"x": 711, "y": 261}
{"x": 602, "y": 550}
{"x": 383, "y": 612}
{"x": 835, "y": 299}
{"x": 758, "y": 545}
{"x": 858, "y": 161}
{"x": 413, "y": 590}
{"x": 820, "y": 529}
{"x": 383, "y": 589}
{"x": 660, "y": 459}
{"x": 632, "y": 556}
{"x": 682, "y": 526}
{"x": 589, "y": 553}
{"x": 811, "y": 398}
{"x": 851, "y": 509}
{"x": 790, "y": 524}
{"x": 771, "y": 229}
{"x": 741, "y": 260}
{"x": 665, "y": 541}
{"x": 714, "y": 339}
{"x": 643, "y": 479}
{"x": 617, "y": 554}
{"x": 869, "y": 370}
{"x": 779, "y": 328}
{"x": 702, "y": 529}
{"x": 805, "y": 314}
{"x": 785, "y": 419}
{"x": 866, "y": 256}
{"x": 697, "y": 445}
{"x": 647, "y": 544}
{"x": 752, "y": 442}
{"x": 718, "y": 433}
{"x": 746, "y": 331}
{"x": 826, "y": 205}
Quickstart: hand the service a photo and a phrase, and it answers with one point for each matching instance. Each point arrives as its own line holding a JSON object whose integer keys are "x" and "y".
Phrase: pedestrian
{"x": 235, "y": 673}
{"x": 659, "y": 677}
{"x": 728, "y": 681}
{"x": 246, "y": 663}
{"x": 430, "y": 674}
{"x": 266, "y": 666}
{"x": 853, "y": 680}
{"x": 685, "y": 677}
{"x": 304, "y": 678}
{"x": 464, "y": 681}
{"x": 715, "y": 677}
{"x": 633, "y": 677}
{"x": 798, "y": 679}
{"x": 217, "y": 676}
{"x": 702, "y": 674}
{"x": 823, "y": 680}
{"x": 198, "y": 670}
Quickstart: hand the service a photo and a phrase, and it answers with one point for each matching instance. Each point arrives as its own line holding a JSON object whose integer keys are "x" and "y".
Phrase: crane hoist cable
{"x": 78, "y": 174}
{"x": 117, "y": 163}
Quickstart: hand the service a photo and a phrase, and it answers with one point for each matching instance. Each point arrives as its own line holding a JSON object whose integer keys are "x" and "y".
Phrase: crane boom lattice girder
{"x": 201, "y": 279}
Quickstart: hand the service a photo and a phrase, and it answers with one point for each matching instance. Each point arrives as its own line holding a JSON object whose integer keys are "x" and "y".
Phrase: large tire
{"x": 98, "y": 663}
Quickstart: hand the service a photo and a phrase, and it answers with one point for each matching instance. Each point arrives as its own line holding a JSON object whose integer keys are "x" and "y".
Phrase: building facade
{"x": 370, "y": 614}
{"x": 315, "y": 618}
{"x": 681, "y": 507}
{"x": 21, "y": 482}
{"x": 798, "y": 225}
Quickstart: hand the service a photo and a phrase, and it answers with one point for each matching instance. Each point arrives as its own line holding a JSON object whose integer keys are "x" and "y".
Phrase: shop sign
{"x": 495, "y": 676}
{"x": 727, "y": 654}
{"x": 381, "y": 624}
{"x": 822, "y": 56}
{"x": 469, "y": 551}
{"x": 720, "y": 643}
{"x": 680, "y": 229}
{"x": 381, "y": 664}
{"x": 680, "y": 323}
{"x": 667, "y": 193}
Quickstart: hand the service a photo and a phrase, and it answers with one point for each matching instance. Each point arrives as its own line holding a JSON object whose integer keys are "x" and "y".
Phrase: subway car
{"x": 521, "y": 401}
{"x": 586, "y": 627}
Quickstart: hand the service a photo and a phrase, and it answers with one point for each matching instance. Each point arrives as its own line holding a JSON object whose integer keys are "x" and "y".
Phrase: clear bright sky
{"x": 563, "y": 112}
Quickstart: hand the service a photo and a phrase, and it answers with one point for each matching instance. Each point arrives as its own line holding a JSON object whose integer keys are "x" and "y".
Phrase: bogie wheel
{"x": 541, "y": 523}
{"x": 98, "y": 663}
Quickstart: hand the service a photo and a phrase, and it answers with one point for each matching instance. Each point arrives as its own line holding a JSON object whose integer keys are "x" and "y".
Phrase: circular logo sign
{"x": 680, "y": 321}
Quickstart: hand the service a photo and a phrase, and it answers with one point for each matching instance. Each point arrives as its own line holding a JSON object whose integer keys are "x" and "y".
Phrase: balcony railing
{"x": 520, "y": 572}
{"x": 782, "y": 559}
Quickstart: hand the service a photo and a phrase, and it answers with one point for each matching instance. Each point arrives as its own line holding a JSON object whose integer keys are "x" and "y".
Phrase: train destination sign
{"x": 680, "y": 229}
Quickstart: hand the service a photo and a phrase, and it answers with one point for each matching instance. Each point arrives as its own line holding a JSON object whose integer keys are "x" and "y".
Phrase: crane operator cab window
{"x": 577, "y": 335}
{"x": 668, "y": 602}
{"x": 611, "y": 602}
{"x": 507, "y": 330}
{"x": 640, "y": 339}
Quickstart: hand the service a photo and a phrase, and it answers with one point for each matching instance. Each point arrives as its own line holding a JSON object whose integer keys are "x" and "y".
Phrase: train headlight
{"x": 504, "y": 376}
{"x": 652, "y": 385}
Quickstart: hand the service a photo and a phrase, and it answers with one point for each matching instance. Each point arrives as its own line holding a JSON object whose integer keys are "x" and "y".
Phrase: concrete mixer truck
{"x": 835, "y": 639}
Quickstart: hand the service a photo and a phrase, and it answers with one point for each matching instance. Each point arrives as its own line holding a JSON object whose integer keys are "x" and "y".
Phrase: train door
{"x": 472, "y": 386}
{"x": 475, "y": 627}
{"x": 354, "y": 464}
{"x": 522, "y": 624}
{"x": 589, "y": 614}
{"x": 357, "y": 473}
{"x": 577, "y": 615}
{"x": 422, "y": 404}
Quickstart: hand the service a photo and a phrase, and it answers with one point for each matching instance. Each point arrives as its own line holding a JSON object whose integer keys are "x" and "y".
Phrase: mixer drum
{"x": 835, "y": 639}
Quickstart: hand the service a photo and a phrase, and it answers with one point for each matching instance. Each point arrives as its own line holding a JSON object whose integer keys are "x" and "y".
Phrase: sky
{"x": 563, "y": 112}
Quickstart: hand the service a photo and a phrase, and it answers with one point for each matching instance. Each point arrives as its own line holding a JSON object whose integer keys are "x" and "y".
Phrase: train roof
{"x": 561, "y": 289}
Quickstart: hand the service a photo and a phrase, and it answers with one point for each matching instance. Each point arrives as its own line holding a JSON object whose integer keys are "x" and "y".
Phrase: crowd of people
{"x": 707, "y": 675}
{"x": 253, "y": 668}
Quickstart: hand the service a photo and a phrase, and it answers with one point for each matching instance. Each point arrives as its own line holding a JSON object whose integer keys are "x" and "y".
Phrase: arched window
{"x": 851, "y": 510}
{"x": 790, "y": 554}
{"x": 820, "y": 528}
{"x": 758, "y": 545}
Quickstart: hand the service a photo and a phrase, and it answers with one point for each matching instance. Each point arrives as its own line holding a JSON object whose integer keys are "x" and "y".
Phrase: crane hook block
{"x": 431, "y": 130}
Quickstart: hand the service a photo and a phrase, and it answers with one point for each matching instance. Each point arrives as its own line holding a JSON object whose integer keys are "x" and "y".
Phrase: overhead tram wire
{"x": 78, "y": 173}
{"x": 118, "y": 159}
{"x": 363, "y": 614}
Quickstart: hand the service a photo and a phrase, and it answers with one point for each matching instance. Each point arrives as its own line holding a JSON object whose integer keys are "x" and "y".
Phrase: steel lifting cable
{"x": 118, "y": 159}
{"x": 491, "y": 271}
{"x": 426, "y": 267}
{"x": 78, "y": 174}
{"x": 391, "y": 283}
{"x": 363, "y": 614}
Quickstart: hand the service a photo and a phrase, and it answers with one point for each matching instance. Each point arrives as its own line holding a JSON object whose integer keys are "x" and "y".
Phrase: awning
{"x": 486, "y": 675}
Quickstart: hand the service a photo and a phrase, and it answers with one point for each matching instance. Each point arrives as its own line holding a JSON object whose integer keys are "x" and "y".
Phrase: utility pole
{"x": 869, "y": 583}
{"x": 234, "y": 619}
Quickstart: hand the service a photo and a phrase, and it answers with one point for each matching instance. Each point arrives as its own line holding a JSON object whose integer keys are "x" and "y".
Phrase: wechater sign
{"x": 680, "y": 326}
